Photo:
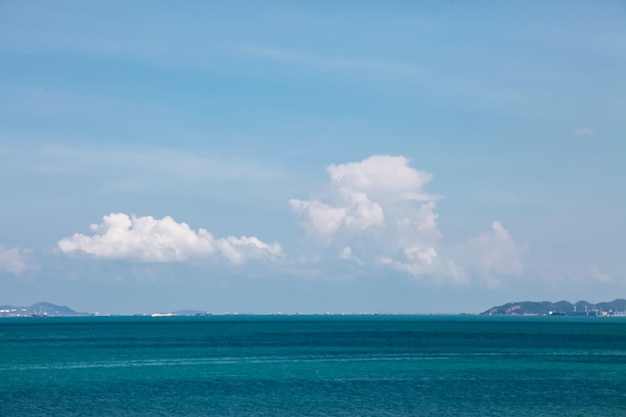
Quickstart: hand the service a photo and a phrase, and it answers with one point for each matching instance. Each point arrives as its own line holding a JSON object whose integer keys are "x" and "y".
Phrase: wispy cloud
{"x": 584, "y": 131}
{"x": 492, "y": 255}
{"x": 13, "y": 260}
{"x": 600, "y": 276}
{"x": 142, "y": 165}
{"x": 346, "y": 255}
{"x": 326, "y": 62}
{"x": 105, "y": 29}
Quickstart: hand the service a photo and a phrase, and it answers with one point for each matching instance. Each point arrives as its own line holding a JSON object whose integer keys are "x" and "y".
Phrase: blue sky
{"x": 441, "y": 156}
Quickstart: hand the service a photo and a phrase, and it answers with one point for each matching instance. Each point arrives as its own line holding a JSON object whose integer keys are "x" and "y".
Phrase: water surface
{"x": 313, "y": 366}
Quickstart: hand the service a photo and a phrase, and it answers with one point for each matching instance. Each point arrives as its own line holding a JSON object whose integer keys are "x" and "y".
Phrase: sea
{"x": 378, "y": 365}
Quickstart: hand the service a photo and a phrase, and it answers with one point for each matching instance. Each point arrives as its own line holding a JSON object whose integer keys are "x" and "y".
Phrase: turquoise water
{"x": 313, "y": 366}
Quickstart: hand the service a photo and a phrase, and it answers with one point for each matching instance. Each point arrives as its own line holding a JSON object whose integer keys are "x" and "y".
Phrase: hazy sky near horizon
{"x": 323, "y": 156}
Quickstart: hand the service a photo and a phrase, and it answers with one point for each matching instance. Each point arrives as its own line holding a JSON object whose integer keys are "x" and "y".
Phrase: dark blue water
{"x": 313, "y": 366}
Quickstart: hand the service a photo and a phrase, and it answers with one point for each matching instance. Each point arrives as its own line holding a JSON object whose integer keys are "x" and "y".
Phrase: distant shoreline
{"x": 615, "y": 308}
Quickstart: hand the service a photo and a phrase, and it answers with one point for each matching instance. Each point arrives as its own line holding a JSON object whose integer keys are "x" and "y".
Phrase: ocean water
{"x": 313, "y": 366}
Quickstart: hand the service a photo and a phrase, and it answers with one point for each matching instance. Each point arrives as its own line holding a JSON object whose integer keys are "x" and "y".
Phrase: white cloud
{"x": 320, "y": 219}
{"x": 584, "y": 131}
{"x": 377, "y": 210}
{"x": 382, "y": 177}
{"x": 142, "y": 164}
{"x": 347, "y": 255}
{"x": 147, "y": 239}
{"x": 381, "y": 201}
{"x": 359, "y": 196}
{"x": 12, "y": 260}
{"x": 493, "y": 254}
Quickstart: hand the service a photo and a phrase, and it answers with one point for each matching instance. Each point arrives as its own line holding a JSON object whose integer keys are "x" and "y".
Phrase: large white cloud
{"x": 147, "y": 239}
{"x": 12, "y": 260}
{"x": 361, "y": 194}
{"x": 381, "y": 200}
{"x": 377, "y": 210}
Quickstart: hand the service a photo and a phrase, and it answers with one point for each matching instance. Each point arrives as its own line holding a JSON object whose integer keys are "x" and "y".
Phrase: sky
{"x": 311, "y": 157}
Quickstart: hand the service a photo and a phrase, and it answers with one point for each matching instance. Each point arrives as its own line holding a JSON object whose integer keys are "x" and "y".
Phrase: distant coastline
{"x": 561, "y": 308}
{"x": 523, "y": 308}
{"x": 46, "y": 309}
{"x": 41, "y": 309}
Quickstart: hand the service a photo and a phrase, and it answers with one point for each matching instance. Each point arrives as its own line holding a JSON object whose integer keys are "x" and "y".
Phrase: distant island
{"x": 560, "y": 308}
{"x": 42, "y": 309}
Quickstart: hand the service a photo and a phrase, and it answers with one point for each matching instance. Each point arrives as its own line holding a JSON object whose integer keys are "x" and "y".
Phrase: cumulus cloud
{"x": 584, "y": 131}
{"x": 380, "y": 200}
{"x": 12, "y": 260}
{"x": 377, "y": 211}
{"x": 359, "y": 194}
{"x": 493, "y": 254}
{"x": 147, "y": 239}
